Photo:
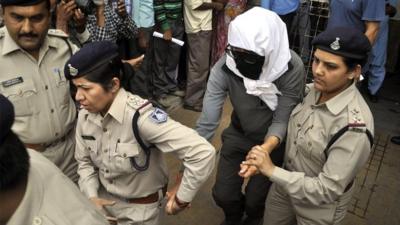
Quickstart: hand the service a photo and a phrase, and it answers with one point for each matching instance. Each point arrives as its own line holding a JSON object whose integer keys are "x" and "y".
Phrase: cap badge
{"x": 335, "y": 45}
{"x": 73, "y": 71}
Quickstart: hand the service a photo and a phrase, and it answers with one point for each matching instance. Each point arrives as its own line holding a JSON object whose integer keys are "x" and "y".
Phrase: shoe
{"x": 193, "y": 108}
{"x": 179, "y": 93}
{"x": 395, "y": 140}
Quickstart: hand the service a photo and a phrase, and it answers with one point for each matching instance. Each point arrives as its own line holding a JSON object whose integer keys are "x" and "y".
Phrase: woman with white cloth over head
{"x": 264, "y": 80}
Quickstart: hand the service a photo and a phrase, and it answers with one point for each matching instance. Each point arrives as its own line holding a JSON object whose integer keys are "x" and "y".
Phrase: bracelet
{"x": 181, "y": 204}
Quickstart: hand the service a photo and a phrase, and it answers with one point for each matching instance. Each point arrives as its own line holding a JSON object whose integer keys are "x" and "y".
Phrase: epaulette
{"x": 57, "y": 33}
{"x": 356, "y": 121}
{"x": 138, "y": 103}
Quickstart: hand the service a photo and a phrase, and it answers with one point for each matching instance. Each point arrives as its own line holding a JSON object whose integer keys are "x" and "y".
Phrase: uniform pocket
{"x": 62, "y": 85}
{"x": 123, "y": 155}
{"x": 22, "y": 95}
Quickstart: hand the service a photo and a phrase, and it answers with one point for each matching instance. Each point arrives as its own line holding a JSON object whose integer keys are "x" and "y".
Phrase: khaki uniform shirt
{"x": 44, "y": 110}
{"x": 315, "y": 178}
{"x": 51, "y": 198}
{"x": 105, "y": 144}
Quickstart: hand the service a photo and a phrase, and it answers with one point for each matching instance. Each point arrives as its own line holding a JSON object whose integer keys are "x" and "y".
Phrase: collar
{"x": 117, "y": 108}
{"x": 336, "y": 104}
{"x": 10, "y": 45}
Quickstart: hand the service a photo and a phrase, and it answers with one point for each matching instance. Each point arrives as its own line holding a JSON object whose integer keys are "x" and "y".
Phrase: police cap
{"x": 90, "y": 57}
{"x": 20, "y": 2}
{"x": 343, "y": 41}
{"x": 6, "y": 117}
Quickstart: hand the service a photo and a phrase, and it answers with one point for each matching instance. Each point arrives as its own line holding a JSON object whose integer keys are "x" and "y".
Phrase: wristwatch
{"x": 181, "y": 204}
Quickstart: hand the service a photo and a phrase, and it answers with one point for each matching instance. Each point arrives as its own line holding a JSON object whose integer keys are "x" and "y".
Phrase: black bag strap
{"x": 145, "y": 148}
{"x": 340, "y": 133}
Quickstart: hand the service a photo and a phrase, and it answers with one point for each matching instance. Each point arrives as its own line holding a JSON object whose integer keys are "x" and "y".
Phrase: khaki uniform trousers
{"x": 62, "y": 154}
{"x": 134, "y": 214}
{"x": 281, "y": 209}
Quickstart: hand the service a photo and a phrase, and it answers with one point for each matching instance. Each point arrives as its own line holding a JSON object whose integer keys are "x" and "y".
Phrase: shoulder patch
{"x": 57, "y": 33}
{"x": 159, "y": 116}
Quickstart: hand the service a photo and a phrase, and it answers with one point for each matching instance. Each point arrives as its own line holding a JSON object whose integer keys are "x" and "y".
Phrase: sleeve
{"x": 96, "y": 33}
{"x": 197, "y": 154}
{"x": 83, "y": 37}
{"x": 346, "y": 158}
{"x": 161, "y": 15}
{"x": 292, "y": 85}
{"x": 193, "y": 4}
{"x": 373, "y": 10}
{"x": 213, "y": 101}
{"x": 88, "y": 175}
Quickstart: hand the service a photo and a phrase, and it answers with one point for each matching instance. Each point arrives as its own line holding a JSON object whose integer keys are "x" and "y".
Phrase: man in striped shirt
{"x": 169, "y": 22}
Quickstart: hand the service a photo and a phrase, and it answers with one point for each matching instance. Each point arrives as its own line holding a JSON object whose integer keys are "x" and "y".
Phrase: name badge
{"x": 86, "y": 137}
{"x": 12, "y": 82}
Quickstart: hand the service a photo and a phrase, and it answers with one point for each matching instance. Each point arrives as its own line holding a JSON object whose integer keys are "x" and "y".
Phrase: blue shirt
{"x": 354, "y": 13}
{"x": 281, "y": 7}
{"x": 142, "y": 12}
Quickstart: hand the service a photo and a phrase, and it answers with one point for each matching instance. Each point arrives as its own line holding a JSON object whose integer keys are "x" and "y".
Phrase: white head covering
{"x": 263, "y": 32}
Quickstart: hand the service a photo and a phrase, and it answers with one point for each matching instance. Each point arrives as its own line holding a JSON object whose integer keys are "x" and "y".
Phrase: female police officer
{"x": 118, "y": 172}
{"x": 329, "y": 138}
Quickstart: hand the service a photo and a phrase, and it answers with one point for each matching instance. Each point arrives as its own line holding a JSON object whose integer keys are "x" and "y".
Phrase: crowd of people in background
{"x": 87, "y": 84}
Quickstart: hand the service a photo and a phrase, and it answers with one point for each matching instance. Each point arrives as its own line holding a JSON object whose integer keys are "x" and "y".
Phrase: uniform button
{"x": 124, "y": 155}
{"x": 309, "y": 144}
{"x": 89, "y": 148}
{"x": 51, "y": 110}
{"x": 290, "y": 161}
{"x": 107, "y": 171}
{"x": 37, "y": 221}
{"x": 46, "y": 87}
{"x": 295, "y": 142}
{"x": 56, "y": 134}
{"x": 105, "y": 151}
{"x": 111, "y": 182}
{"x": 104, "y": 129}
{"x": 298, "y": 125}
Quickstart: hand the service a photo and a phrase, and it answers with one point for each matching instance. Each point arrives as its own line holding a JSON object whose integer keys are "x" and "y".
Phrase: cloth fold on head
{"x": 263, "y": 32}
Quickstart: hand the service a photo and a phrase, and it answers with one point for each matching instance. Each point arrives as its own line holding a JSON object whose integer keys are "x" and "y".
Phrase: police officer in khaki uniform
{"x": 118, "y": 170}
{"x": 329, "y": 138}
{"x": 30, "y": 185}
{"x": 32, "y": 78}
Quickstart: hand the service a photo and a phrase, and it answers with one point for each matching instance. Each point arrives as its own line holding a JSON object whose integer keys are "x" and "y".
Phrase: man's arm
{"x": 371, "y": 30}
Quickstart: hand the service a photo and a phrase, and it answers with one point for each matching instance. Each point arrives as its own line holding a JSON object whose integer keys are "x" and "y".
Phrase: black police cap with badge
{"x": 20, "y": 2}
{"x": 6, "y": 117}
{"x": 343, "y": 41}
{"x": 90, "y": 57}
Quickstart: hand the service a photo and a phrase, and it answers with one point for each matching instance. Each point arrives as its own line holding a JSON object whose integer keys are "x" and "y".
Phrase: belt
{"x": 41, "y": 147}
{"x": 151, "y": 198}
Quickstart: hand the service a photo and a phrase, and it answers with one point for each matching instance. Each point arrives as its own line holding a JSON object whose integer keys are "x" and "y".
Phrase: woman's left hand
{"x": 172, "y": 207}
{"x": 261, "y": 160}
